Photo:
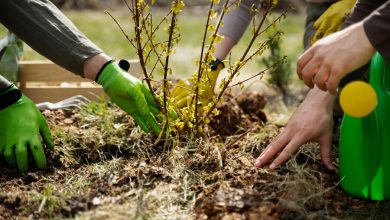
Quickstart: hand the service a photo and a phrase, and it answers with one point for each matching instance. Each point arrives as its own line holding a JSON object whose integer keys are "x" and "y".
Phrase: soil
{"x": 238, "y": 114}
{"x": 103, "y": 167}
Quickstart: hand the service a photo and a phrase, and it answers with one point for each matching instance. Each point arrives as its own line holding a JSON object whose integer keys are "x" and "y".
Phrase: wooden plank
{"x": 39, "y": 95}
{"x": 46, "y": 71}
{"x": 48, "y": 77}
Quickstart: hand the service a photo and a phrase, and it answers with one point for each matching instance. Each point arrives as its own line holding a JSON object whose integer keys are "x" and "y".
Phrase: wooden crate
{"x": 44, "y": 81}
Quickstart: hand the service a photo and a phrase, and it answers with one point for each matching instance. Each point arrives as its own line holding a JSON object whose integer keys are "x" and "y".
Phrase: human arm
{"x": 235, "y": 24}
{"x": 312, "y": 121}
{"x": 47, "y": 30}
{"x": 315, "y": 117}
{"x": 333, "y": 57}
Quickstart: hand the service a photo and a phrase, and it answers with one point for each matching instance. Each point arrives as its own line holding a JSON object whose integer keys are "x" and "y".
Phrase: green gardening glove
{"x": 331, "y": 20}
{"x": 21, "y": 127}
{"x": 131, "y": 95}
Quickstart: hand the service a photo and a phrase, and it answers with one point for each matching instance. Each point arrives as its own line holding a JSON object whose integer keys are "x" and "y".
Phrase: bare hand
{"x": 312, "y": 121}
{"x": 333, "y": 57}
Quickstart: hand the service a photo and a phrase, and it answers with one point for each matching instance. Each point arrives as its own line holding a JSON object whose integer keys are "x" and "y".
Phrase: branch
{"x": 200, "y": 66}
{"x": 261, "y": 72}
{"x": 138, "y": 32}
{"x": 166, "y": 67}
{"x": 120, "y": 27}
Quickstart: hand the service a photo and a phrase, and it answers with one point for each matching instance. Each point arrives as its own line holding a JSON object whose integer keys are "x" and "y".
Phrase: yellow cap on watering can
{"x": 358, "y": 99}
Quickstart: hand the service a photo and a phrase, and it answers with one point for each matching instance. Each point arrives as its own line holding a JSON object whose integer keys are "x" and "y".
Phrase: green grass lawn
{"x": 102, "y": 30}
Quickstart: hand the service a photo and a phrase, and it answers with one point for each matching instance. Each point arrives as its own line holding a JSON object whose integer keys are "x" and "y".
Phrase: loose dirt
{"x": 104, "y": 168}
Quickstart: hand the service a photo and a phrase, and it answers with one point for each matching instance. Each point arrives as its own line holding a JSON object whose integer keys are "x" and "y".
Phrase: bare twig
{"x": 138, "y": 33}
{"x": 128, "y": 6}
{"x": 166, "y": 67}
{"x": 120, "y": 27}
{"x": 200, "y": 66}
{"x": 241, "y": 136}
{"x": 260, "y": 73}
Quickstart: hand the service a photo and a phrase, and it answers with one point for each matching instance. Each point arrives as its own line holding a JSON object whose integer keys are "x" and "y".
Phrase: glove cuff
{"x": 109, "y": 73}
{"x": 101, "y": 70}
{"x": 123, "y": 64}
{"x": 9, "y": 97}
{"x": 215, "y": 64}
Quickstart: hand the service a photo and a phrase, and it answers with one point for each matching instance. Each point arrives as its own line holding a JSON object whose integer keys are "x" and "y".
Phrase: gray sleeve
{"x": 4, "y": 84}
{"x": 237, "y": 21}
{"x": 48, "y": 31}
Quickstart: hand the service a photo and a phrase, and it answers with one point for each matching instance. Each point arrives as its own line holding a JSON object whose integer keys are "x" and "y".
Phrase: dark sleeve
{"x": 377, "y": 28}
{"x": 48, "y": 31}
{"x": 4, "y": 84}
{"x": 375, "y": 15}
{"x": 362, "y": 9}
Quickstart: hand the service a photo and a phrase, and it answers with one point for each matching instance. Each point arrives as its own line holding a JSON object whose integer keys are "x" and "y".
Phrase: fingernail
{"x": 272, "y": 166}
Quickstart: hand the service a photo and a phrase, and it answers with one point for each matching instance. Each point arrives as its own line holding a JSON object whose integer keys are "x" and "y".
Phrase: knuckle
{"x": 308, "y": 82}
{"x": 300, "y": 63}
{"x": 321, "y": 56}
{"x": 286, "y": 153}
{"x": 337, "y": 70}
{"x": 7, "y": 153}
{"x": 314, "y": 48}
{"x": 326, "y": 63}
{"x": 20, "y": 150}
{"x": 278, "y": 161}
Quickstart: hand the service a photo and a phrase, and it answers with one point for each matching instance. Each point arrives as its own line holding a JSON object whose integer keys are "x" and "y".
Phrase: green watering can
{"x": 364, "y": 148}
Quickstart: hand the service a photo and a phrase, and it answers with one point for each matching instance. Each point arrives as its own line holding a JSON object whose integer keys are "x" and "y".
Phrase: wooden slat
{"x": 39, "y": 95}
{"x": 49, "y": 75}
{"x": 46, "y": 71}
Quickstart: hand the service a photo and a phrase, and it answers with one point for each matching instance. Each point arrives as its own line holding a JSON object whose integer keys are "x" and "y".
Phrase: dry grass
{"x": 104, "y": 167}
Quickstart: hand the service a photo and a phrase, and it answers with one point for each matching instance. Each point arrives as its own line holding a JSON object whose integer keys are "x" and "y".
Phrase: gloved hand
{"x": 182, "y": 92}
{"x": 131, "y": 95}
{"x": 21, "y": 127}
{"x": 331, "y": 20}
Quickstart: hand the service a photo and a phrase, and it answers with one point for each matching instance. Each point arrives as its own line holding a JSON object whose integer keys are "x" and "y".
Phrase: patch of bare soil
{"x": 105, "y": 168}
{"x": 239, "y": 114}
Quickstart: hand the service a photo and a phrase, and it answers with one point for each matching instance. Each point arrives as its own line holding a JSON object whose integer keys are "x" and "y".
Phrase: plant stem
{"x": 166, "y": 66}
{"x": 200, "y": 66}
{"x": 259, "y": 73}
{"x": 138, "y": 33}
{"x": 120, "y": 27}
